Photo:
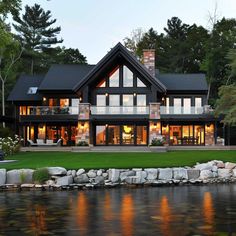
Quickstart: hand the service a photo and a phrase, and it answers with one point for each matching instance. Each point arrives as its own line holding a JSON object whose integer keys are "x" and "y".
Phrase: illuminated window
{"x": 114, "y": 78}
{"x": 64, "y": 102}
{"x": 140, "y": 83}
{"x": 127, "y": 77}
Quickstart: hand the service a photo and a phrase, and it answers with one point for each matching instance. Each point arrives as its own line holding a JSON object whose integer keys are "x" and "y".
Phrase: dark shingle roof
{"x": 184, "y": 81}
{"x": 64, "y": 77}
{"x": 20, "y": 90}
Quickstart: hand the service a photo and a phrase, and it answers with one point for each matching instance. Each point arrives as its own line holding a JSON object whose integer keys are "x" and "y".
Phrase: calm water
{"x": 187, "y": 210}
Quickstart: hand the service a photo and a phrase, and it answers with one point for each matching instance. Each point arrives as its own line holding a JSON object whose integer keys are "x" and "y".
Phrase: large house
{"x": 118, "y": 101}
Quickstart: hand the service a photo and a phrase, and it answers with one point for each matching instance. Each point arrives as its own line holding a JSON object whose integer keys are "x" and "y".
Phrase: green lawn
{"x": 116, "y": 160}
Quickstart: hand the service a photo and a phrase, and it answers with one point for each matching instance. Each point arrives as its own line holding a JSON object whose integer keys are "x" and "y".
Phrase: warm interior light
{"x": 44, "y": 99}
{"x": 127, "y": 129}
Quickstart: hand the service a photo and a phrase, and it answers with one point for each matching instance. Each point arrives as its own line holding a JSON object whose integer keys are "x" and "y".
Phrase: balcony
{"x": 56, "y": 110}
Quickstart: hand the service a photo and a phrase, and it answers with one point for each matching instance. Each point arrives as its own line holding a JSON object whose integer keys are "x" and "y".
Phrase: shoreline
{"x": 212, "y": 172}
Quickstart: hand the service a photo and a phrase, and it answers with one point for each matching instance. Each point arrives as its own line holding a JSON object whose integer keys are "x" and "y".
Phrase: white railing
{"x": 171, "y": 110}
{"x": 119, "y": 110}
{"x": 55, "y": 110}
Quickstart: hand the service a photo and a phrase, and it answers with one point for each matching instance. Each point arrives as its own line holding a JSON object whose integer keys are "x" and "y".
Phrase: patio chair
{"x": 31, "y": 143}
{"x": 49, "y": 142}
{"x": 40, "y": 142}
{"x": 58, "y": 143}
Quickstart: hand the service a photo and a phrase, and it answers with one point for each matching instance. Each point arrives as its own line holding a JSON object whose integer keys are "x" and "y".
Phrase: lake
{"x": 182, "y": 210}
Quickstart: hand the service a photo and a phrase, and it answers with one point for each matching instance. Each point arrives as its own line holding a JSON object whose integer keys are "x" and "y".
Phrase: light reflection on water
{"x": 186, "y": 210}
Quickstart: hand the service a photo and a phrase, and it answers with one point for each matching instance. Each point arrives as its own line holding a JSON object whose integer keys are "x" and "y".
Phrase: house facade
{"x": 118, "y": 101}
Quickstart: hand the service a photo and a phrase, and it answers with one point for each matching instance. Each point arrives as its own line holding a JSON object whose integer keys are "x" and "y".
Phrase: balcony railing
{"x": 56, "y": 110}
{"x": 115, "y": 110}
{"x": 119, "y": 110}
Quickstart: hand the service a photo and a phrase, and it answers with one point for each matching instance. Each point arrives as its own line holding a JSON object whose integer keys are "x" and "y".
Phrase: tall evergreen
{"x": 36, "y": 33}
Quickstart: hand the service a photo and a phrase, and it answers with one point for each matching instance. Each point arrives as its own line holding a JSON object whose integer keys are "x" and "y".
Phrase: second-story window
{"x": 141, "y": 100}
{"x": 64, "y": 102}
{"x": 140, "y": 83}
{"x": 114, "y": 100}
{"x": 101, "y": 100}
{"x": 128, "y": 100}
{"x": 114, "y": 79}
{"x": 127, "y": 77}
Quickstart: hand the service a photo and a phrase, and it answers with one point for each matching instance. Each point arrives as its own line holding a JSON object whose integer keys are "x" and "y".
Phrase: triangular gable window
{"x": 140, "y": 83}
{"x": 114, "y": 80}
{"x": 101, "y": 84}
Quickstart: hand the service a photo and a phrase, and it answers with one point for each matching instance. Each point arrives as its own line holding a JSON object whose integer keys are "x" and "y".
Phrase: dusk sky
{"x": 94, "y": 26}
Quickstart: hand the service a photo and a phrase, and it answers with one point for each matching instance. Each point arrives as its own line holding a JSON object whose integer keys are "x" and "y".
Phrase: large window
{"x": 127, "y": 77}
{"x": 187, "y": 105}
{"x": 113, "y": 135}
{"x": 198, "y": 105}
{"x": 141, "y": 135}
{"x": 100, "y": 134}
{"x": 114, "y": 100}
{"x": 128, "y": 134}
{"x": 177, "y": 105}
{"x": 140, "y": 83}
{"x": 114, "y": 80}
{"x": 64, "y": 102}
{"x": 141, "y": 100}
{"x": 101, "y": 100}
{"x": 128, "y": 100}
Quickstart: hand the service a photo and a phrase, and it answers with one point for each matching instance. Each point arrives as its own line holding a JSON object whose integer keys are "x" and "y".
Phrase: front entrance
{"x": 121, "y": 134}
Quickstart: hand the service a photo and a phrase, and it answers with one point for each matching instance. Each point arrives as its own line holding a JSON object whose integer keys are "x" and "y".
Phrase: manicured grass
{"x": 115, "y": 160}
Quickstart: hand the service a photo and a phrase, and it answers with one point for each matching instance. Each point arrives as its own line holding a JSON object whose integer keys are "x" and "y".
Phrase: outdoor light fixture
{"x": 44, "y": 99}
{"x": 80, "y": 99}
{"x": 106, "y": 94}
{"x": 106, "y": 125}
{"x": 134, "y": 94}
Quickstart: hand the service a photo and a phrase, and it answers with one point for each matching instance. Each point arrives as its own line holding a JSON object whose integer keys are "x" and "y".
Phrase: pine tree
{"x": 35, "y": 32}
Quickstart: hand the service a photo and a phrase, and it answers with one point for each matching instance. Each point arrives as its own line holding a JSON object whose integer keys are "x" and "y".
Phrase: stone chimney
{"x": 149, "y": 60}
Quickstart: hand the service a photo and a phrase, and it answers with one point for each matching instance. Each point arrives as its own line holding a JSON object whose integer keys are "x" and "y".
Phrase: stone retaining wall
{"x": 60, "y": 178}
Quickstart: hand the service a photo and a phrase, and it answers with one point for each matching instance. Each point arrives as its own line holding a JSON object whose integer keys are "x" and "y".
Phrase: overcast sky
{"x": 94, "y": 26}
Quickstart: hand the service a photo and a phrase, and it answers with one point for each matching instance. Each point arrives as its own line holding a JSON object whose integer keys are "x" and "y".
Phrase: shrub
{"x": 10, "y": 145}
{"x": 41, "y": 175}
{"x": 82, "y": 143}
{"x": 159, "y": 141}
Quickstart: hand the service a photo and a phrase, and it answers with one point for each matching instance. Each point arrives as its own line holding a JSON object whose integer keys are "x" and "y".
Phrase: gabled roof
{"x": 117, "y": 51}
{"x": 21, "y": 88}
{"x": 64, "y": 77}
{"x": 189, "y": 82}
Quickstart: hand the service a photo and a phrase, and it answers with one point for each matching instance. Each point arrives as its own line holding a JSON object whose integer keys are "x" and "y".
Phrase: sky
{"x": 94, "y": 26}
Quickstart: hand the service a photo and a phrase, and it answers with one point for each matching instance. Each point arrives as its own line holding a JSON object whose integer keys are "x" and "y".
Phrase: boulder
{"x": 220, "y": 164}
{"x": 99, "y": 180}
{"x": 234, "y": 172}
{"x": 3, "y": 175}
{"x": 180, "y": 173}
{"x": 73, "y": 173}
{"x": 92, "y": 174}
{"x": 206, "y": 174}
{"x": 81, "y": 179}
{"x": 131, "y": 179}
{"x": 230, "y": 165}
{"x": 141, "y": 177}
{"x": 165, "y": 174}
{"x": 99, "y": 172}
{"x": 193, "y": 174}
{"x": 125, "y": 174}
{"x": 151, "y": 173}
{"x": 69, "y": 172}
{"x": 80, "y": 172}
{"x": 204, "y": 166}
{"x": 66, "y": 180}
{"x": 224, "y": 173}
{"x": 114, "y": 175}
{"x": 105, "y": 175}
{"x": 20, "y": 176}
{"x": 50, "y": 182}
{"x": 57, "y": 171}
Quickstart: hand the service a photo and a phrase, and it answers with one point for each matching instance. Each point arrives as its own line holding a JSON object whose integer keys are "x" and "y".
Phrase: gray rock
{"x": 204, "y": 166}
{"x": 137, "y": 169}
{"x": 83, "y": 178}
{"x": 234, "y": 172}
{"x": 20, "y": 176}
{"x": 214, "y": 168}
{"x": 165, "y": 174}
{"x": 66, "y": 180}
{"x": 80, "y": 172}
{"x": 99, "y": 172}
{"x": 131, "y": 179}
{"x": 193, "y": 174}
{"x": 27, "y": 186}
{"x": 73, "y": 173}
{"x": 92, "y": 174}
{"x": 220, "y": 164}
{"x": 50, "y": 182}
{"x": 99, "y": 180}
{"x": 151, "y": 173}
{"x": 69, "y": 172}
{"x": 114, "y": 175}
{"x": 57, "y": 171}
{"x": 230, "y": 165}
{"x": 105, "y": 175}
{"x": 224, "y": 173}
{"x": 3, "y": 175}
{"x": 206, "y": 174}
{"x": 141, "y": 177}
{"x": 125, "y": 174}
{"x": 180, "y": 173}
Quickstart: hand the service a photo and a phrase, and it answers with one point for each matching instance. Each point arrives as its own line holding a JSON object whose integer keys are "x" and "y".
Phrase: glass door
{"x": 128, "y": 134}
{"x": 175, "y": 135}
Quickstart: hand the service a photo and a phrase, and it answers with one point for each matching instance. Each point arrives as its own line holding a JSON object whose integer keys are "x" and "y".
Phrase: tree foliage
{"x": 36, "y": 33}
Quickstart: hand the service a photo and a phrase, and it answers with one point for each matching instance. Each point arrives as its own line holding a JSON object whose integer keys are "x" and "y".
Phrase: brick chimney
{"x": 149, "y": 60}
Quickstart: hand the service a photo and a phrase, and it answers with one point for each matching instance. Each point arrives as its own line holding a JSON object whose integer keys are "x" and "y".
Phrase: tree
{"x": 9, "y": 55}
{"x": 226, "y": 104}
{"x": 35, "y": 32}
{"x": 232, "y": 57}
{"x": 9, "y": 6}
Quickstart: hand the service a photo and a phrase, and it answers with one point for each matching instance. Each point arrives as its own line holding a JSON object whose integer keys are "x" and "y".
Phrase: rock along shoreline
{"x": 62, "y": 179}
